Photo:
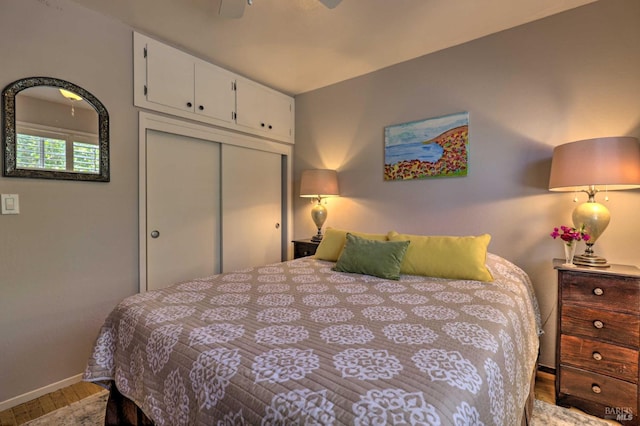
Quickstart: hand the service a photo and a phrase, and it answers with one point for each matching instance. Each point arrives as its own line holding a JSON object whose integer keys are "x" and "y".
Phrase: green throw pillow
{"x": 371, "y": 257}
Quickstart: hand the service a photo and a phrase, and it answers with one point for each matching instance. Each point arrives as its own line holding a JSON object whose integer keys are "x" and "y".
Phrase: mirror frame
{"x": 10, "y": 138}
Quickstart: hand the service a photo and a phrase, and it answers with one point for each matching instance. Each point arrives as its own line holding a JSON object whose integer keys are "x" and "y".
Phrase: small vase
{"x": 569, "y": 252}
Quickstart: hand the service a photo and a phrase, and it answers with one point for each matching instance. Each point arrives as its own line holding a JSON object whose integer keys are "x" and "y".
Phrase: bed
{"x": 299, "y": 342}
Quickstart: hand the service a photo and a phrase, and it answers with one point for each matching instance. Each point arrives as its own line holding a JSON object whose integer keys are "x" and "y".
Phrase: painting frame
{"x": 429, "y": 148}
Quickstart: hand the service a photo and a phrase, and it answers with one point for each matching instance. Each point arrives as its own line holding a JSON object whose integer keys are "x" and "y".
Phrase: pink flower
{"x": 570, "y": 234}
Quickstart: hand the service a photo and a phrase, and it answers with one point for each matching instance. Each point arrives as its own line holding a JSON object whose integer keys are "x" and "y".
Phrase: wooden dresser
{"x": 598, "y": 341}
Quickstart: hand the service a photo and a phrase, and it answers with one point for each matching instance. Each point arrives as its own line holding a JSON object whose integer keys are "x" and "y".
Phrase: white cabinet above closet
{"x": 177, "y": 80}
{"x": 171, "y": 81}
{"x": 262, "y": 109}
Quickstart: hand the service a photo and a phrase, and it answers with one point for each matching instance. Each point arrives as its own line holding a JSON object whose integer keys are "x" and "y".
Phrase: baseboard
{"x": 25, "y": 397}
{"x": 546, "y": 369}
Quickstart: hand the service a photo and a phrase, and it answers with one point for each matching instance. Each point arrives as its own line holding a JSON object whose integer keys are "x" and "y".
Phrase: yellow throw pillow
{"x": 445, "y": 257}
{"x": 334, "y": 239}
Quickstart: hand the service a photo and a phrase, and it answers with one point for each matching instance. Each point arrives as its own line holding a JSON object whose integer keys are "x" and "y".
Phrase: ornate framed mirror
{"x": 53, "y": 129}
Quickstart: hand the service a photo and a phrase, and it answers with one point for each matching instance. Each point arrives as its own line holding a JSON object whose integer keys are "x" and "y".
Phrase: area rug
{"x": 86, "y": 412}
{"x": 550, "y": 414}
{"x": 90, "y": 412}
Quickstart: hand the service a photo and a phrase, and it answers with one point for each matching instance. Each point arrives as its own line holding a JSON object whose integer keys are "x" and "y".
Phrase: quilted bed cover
{"x": 298, "y": 343}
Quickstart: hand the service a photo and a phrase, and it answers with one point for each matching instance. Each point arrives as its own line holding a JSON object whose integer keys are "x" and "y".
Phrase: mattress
{"x": 299, "y": 343}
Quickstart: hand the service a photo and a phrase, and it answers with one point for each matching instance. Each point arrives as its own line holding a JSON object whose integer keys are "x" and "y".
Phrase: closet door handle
{"x": 155, "y": 233}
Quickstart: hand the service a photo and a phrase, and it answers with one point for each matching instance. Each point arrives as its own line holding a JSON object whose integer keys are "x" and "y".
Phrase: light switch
{"x": 10, "y": 203}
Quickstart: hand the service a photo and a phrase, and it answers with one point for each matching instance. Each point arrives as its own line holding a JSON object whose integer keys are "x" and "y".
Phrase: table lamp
{"x": 319, "y": 184}
{"x": 591, "y": 166}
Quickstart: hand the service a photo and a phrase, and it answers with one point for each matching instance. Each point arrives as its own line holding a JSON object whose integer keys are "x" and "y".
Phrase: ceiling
{"x": 299, "y": 45}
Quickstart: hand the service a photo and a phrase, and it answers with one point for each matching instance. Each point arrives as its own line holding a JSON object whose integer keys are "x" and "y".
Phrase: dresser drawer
{"x": 609, "y": 326}
{"x": 615, "y": 293}
{"x": 600, "y": 357}
{"x": 600, "y": 389}
{"x": 606, "y": 325}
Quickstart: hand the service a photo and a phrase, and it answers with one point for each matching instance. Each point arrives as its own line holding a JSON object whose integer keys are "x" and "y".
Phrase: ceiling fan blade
{"x": 330, "y": 3}
{"x": 232, "y": 9}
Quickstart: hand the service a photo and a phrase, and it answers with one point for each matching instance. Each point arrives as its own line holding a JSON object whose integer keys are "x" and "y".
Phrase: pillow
{"x": 372, "y": 257}
{"x": 334, "y": 239}
{"x": 445, "y": 257}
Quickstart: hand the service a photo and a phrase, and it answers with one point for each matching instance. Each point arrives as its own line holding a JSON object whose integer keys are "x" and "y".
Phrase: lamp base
{"x": 590, "y": 260}
{"x": 319, "y": 215}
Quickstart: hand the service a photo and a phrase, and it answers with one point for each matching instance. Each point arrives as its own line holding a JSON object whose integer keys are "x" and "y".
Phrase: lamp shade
{"x": 319, "y": 183}
{"x": 612, "y": 162}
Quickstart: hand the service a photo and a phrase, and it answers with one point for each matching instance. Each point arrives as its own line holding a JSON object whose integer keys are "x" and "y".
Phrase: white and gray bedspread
{"x": 298, "y": 343}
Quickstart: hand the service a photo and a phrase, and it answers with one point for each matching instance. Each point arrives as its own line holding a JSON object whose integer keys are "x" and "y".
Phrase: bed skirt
{"x": 122, "y": 411}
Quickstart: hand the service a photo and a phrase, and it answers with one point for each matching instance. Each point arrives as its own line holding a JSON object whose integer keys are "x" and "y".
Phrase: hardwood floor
{"x": 545, "y": 389}
{"x": 45, "y": 404}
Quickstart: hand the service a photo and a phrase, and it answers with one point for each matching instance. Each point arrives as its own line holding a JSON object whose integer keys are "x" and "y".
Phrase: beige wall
{"x": 568, "y": 77}
{"x": 72, "y": 253}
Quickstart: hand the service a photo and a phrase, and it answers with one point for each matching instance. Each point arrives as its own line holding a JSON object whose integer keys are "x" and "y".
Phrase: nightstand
{"x": 302, "y": 248}
{"x": 598, "y": 342}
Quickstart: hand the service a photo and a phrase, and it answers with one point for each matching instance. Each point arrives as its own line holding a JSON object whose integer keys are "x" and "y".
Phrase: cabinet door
{"x": 251, "y": 208}
{"x": 250, "y": 105}
{"x": 214, "y": 94}
{"x": 280, "y": 114}
{"x": 183, "y": 208}
{"x": 170, "y": 77}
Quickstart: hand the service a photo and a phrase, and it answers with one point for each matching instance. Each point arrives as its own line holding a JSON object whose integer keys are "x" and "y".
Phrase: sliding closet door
{"x": 251, "y": 207}
{"x": 183, "y": 208}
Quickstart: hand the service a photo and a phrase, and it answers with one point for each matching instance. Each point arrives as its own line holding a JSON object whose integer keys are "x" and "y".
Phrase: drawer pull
{"x": 597, "y": 356}
{"x": 595, "y": 388}
{"x": 598, "y": 324}
{"x": 598, "y": 291}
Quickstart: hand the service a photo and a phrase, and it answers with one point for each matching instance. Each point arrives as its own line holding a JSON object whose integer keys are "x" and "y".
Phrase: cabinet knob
{"x": 201, "y": 107}
{"x": 595, "y": 388}
{"x": 261, "y": 124}
{"x": 597, "y": 356}
{"x": 277, "y": 225}
{"x": 598, "y": 291}
{"x": 155, "y": 233}
{"x": 598, "y": 324}
{"x": 270, "y": 126}
{"x": 189, "y": 104}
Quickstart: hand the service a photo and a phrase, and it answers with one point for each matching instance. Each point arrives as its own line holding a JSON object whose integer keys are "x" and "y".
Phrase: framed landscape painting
{"x": 435, "y": 147}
